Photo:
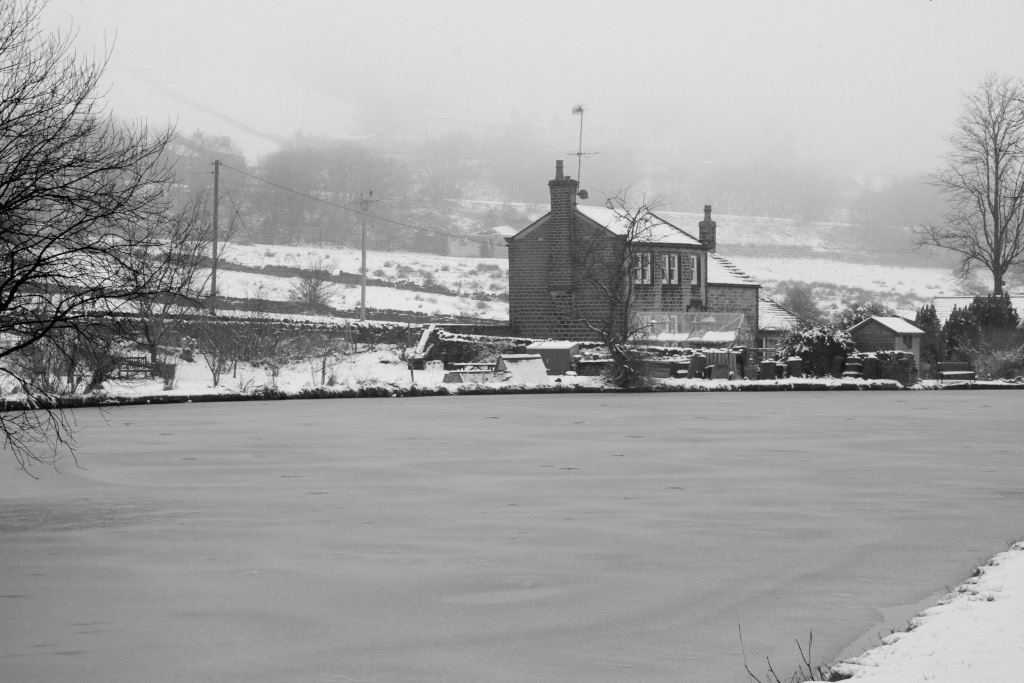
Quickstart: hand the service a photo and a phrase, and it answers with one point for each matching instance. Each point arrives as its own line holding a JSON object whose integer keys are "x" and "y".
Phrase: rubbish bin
{"x": 870, "y": 368}
{"x": 766, "y": 371}
{"x": 795, "y": 366}
{"x": 697, "y": 364}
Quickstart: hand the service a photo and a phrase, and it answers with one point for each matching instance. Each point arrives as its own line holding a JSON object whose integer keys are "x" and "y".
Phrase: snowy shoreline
{"x": 153, "y": 394}
{"x": 974, "y": 633}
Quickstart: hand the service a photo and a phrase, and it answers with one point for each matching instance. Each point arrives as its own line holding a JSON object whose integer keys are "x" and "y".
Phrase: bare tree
{"x": 314, "y": 287}
{"x": 983, "y": 180}
{"x": 81, "y": 196}
{"x": 176, "y": 254}
{"x": 606, "y": 268}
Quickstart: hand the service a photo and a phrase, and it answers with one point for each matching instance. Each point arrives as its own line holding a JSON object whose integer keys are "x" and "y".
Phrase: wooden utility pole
{"x": 364, "y": 206}
{"x": 213, "y": 279}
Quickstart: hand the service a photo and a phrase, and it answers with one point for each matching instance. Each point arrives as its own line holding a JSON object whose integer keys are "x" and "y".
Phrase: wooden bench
{"x": 954, "y": 370}
{"x": 126, "y": 367}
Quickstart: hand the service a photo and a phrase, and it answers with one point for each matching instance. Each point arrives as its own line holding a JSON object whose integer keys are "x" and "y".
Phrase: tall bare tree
{"x": 606, "y": 268}
{"x": 81, "y": 196}
{"x": 983, "y": 180}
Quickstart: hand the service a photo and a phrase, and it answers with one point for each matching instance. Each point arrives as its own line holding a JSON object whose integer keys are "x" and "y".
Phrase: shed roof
{"x": 722, "y": 271}
{"x": 897, "y": 325}
{"x": 563, "y": 345}
{"x": 501, "y": 230}
{"x": 661, "y": 231}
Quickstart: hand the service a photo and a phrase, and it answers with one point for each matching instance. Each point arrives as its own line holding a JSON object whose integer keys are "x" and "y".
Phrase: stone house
{"x": 681, "y": 290}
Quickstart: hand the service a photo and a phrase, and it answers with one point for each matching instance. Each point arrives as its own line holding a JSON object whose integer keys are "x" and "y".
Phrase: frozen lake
{"x": 591, "y": 537}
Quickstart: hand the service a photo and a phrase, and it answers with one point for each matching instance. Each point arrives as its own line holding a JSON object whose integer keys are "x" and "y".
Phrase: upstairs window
{"x": 670, "y": 269}
{"x": 694, "y": 270}
{"x": 642, "y": 268}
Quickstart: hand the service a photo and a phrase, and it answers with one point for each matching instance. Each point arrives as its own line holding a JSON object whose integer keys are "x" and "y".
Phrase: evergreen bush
{"x": 817, "y": 346}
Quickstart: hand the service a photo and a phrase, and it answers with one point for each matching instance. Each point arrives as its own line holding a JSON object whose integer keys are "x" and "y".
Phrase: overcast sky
{"x": 868, "y": 85}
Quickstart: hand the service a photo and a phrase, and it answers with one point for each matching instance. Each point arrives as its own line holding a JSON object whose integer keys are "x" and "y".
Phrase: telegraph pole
{"x": 213, "y": 279}
{"x": 364, "y": 206}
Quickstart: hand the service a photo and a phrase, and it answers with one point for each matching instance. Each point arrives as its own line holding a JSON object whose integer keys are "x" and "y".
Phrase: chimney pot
{"x": 708, "y": 231}
{"x": 558, "y": 170}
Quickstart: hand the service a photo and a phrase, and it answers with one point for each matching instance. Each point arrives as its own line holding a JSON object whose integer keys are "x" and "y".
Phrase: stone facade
{"x": 554, "y": 291}
{"x": 735, "y": 299}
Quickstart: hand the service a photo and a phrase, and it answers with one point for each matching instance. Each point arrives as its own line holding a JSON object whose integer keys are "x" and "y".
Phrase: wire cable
{"x": 435, "y": 231}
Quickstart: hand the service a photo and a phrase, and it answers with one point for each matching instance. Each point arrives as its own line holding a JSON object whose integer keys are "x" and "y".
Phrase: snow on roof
{"x": 662, "y": 232}
{"x": 944, "y": 305}
{"x": 558, "y": 345}
{"x": 772, "y": 316}
{"x": 721, "y": 271}
{"x": 897, "y": 325}
{"x": 499, "y": 230}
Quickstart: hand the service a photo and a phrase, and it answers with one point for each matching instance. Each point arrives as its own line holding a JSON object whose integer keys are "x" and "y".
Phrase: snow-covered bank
{"x": 975, "y": 633}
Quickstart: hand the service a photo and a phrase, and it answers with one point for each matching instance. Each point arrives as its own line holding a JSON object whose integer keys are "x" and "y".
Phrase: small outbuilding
{"x": 557, "y": 355}
{"x": 884, "y": 333}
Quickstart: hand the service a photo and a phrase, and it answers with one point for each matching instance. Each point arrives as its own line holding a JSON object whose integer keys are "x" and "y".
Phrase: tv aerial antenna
{"x": 579, "y": 153}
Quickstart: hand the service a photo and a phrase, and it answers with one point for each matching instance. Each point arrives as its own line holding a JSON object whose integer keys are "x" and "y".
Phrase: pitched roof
{"x": 502, "y": 230}
{"x": 721, "y": 271}
{"x": 661, "y": 231}
{"x": 944, "y": 305}
{"x": 897, "y": 325}
{"x": 772, "y": 316}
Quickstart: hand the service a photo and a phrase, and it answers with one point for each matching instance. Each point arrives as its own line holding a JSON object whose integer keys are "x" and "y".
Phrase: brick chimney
{"x": 708, "y": 229}
{"x": 560, "y": 230}
{"x": 563, "y": 190}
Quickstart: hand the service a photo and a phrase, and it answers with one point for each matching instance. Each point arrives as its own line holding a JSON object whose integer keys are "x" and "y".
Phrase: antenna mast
{"x": 578, "y": 109}
{"x": 579, "y": 153}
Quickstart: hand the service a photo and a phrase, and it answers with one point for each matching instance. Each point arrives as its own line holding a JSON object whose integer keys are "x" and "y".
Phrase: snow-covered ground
{"x": 469, "y": 275}
{"x": 976, "y": 633}
{"x": 346, "y": 297}
{"x": 765, "y": 231}
{"x": 837, "y": 273}
{"x": 923, "y": 282}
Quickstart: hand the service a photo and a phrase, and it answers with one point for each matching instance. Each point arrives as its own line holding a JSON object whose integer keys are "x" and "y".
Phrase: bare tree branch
{"x": 983, "y": 180}
{"x": 84, "y": 219}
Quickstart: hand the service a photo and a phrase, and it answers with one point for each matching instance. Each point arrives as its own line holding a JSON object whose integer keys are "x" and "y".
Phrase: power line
{"x": 314, "y": 198}
{"x": 235, "y": 207}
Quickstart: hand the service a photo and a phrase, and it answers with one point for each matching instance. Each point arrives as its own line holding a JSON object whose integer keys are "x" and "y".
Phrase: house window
{"x": 694, "y": 271}
{"x": 642, "y": 268}
{"x": 670, "y": 269}
{"x": 907, "y": 341}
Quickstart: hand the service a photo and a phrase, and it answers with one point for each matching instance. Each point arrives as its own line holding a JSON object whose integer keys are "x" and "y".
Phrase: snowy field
{"x": 469, "y": 275}
{"x": 925, "y": 283}
{"x": 513, "y": 538}
{"x": 903, "y": 287}
{"x": 346, "y": 297}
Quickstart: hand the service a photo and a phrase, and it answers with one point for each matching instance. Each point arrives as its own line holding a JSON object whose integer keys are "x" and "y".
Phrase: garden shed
{"x": 884, "y": 333}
